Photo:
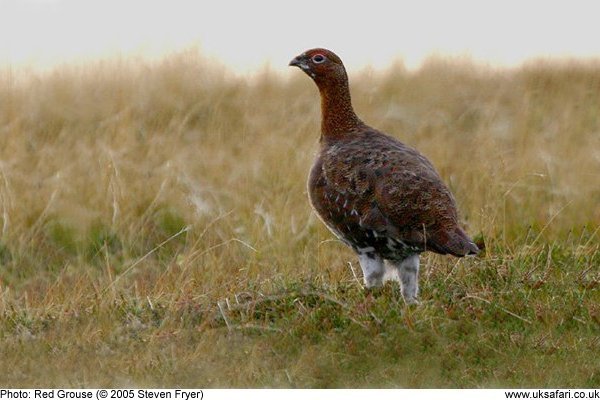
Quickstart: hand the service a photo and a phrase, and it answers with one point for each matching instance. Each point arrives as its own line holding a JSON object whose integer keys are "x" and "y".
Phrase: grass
{"x": 156, "y": 230}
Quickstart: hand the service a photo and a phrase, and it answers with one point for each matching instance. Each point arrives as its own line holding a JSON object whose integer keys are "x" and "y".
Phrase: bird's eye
{"x": 318, "y": 59}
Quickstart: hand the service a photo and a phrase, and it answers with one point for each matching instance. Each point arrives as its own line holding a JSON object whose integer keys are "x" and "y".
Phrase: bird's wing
{"x": 416, "y": 202}
{"x": 398, "y": 193}
{"x": 401, "y": 193}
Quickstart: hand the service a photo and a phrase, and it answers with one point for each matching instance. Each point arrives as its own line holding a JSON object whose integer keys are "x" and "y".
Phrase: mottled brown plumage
{"x": 378, "y": 195}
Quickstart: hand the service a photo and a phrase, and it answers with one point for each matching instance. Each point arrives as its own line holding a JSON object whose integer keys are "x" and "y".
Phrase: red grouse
{"x": 379, "y": 196}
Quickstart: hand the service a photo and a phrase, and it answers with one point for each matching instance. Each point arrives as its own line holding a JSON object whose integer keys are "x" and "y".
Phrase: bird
{"x": 379, "y": 196}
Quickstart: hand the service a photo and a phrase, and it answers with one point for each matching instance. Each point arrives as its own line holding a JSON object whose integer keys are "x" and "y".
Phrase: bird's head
{"x": 322, "y": 65}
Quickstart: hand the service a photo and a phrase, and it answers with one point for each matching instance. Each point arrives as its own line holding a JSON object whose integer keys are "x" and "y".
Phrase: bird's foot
{"x": 411, "y": 301}
{"x": 372, "y": 283}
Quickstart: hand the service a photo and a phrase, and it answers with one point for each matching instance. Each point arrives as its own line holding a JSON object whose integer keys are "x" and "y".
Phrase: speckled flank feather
{"x": 376, "y": 194}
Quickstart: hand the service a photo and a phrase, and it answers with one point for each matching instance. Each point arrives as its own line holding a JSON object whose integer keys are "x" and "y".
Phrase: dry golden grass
{"x": 156, "y": 231}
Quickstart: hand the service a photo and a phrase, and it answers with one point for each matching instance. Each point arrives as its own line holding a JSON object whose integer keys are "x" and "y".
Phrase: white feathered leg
{"x": 373, "y": 269}
{"x": 408, "y": 270}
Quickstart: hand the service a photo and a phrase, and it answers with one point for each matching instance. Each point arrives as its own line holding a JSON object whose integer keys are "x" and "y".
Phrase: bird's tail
{"x": 455, "y": 242}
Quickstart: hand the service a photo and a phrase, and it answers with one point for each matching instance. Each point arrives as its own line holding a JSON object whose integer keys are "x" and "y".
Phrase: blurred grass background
{"x": 156, "y": 229}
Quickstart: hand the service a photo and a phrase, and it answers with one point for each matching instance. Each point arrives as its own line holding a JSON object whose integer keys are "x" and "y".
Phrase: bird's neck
{"x": 337, "y": 115}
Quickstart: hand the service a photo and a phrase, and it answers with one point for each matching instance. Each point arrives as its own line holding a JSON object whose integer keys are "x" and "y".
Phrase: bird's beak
{"x": 298, "y": 62}
{"x": 302, "y": 63}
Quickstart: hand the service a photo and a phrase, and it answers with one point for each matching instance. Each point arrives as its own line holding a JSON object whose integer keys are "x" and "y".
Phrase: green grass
{"x": 491, "y": 322}
{"x": 155, "y": 231}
